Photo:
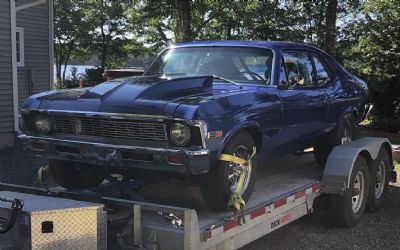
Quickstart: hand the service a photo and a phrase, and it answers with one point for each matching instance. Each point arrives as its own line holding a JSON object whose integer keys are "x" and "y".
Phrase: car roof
{"x": 264, "y": 44}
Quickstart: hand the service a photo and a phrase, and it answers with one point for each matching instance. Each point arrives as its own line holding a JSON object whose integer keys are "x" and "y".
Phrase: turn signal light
{"x": 175, "y": 160}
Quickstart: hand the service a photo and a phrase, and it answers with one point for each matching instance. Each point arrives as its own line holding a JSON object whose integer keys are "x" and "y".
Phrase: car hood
{"x": 146, "y": 95}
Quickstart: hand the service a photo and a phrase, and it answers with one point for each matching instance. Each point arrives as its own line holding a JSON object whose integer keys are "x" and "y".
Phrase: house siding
{"x": 34, "y": 77}
{"x": 6, "y": 97}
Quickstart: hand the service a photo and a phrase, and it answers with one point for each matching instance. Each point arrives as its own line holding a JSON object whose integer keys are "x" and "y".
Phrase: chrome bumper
{"x": 194, "y": 161}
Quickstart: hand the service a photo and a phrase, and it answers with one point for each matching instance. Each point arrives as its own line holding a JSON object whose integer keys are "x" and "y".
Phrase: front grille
{"x": 110, "y": 128}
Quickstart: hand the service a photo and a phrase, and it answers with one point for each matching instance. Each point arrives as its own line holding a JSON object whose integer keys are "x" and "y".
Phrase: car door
{"x": 304, "y": 103}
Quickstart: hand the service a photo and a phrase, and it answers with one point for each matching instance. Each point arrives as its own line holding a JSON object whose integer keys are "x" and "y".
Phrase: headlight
{"x": 43, "y": 125}
{"x": 180, "y": 134}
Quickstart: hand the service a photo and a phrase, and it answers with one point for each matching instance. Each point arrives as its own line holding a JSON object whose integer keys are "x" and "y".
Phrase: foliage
{"x": 68, "y": 30}
{"x": 386, "y": 112}
{"x": 93, "y": 76}
{"x": 106, "y": 34}
{"x": 374, "y": 56}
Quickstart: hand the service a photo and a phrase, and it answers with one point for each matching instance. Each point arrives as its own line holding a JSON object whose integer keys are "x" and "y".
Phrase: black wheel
{"x": 379, "y": 180}
{"x": 349, "y": 207}
{"x": 223, "y": 178}
{"x": 345, "y": 133}
{"x": 71, "y": 175}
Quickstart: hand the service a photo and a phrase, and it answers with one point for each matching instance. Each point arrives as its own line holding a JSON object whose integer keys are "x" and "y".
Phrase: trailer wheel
{"x": 218, "y": 184}
{"x": 379, "y": 180}
{"x": 345, "y": 133}
{"x": 349, "y": 207}
{"x": 71, "y": 175}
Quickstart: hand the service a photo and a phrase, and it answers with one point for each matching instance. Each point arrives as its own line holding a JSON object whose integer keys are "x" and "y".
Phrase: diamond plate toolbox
{"x": 54, "y": 223}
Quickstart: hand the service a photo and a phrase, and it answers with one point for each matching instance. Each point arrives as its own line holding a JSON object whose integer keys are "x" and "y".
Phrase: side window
{"x": 299, "y": 69}
{"x": 19, "y": 38}
{"x": 322, "y": 73}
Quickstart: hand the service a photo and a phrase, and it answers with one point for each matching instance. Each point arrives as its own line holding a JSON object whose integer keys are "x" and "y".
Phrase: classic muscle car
{"x": 251, "y": 99}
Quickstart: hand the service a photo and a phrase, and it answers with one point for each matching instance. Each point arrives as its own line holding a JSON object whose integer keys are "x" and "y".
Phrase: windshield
{"x": 238, "y": 64}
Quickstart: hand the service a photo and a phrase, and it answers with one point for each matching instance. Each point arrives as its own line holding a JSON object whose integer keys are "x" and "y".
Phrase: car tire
{"x": 344, "y": 133}
{"x": 349, "y": 207}
{"x": 216, "y": 185}
{"x": 72, "y": 175}
{"x": 379, "y": 180}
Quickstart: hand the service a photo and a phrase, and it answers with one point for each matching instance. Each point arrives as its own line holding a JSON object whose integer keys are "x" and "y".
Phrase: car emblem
{"x": 78, "y": 126}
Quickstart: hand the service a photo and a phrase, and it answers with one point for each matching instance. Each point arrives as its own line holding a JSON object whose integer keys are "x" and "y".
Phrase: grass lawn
{"x": 366, "y": 132}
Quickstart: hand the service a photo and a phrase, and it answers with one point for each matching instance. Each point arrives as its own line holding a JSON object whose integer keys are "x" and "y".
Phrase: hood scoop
{"x": 176, "y": 86}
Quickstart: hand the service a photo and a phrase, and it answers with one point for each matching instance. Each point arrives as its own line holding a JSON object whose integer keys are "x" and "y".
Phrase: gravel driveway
{"x": 380, "y": 230}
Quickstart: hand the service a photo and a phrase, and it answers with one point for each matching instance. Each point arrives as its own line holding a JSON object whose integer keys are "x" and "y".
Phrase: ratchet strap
{"x": 232, "y": 158}
{"x": 42, "y": 175}
{"x": 16, "y": 206}
{"x": 236, "y": 199}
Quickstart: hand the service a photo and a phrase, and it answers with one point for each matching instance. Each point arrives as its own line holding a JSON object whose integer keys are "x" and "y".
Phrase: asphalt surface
{"x": 19, "y": 167}
{"x": 379, "y": 230}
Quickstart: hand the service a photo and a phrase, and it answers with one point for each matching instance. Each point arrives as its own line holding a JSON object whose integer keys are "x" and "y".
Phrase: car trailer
{"x": 177, "y": 218}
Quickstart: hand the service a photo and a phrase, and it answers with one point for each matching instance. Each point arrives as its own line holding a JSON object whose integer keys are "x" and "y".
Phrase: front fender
{"x": 234, "y": 131}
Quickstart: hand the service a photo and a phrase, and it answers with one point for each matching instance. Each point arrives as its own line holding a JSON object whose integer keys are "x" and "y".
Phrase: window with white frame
{"x": 20, "y": 47}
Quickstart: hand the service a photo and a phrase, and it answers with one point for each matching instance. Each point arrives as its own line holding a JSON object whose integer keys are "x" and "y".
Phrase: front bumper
{"x": 191, "y": 162}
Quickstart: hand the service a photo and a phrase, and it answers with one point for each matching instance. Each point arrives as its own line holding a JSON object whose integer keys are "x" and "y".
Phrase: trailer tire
{"x": 216, "y": 187}
{"x": 72, "y": 175}
{"x": 344, "y": 133}
{"x": 349, "y": 207}
{"x": 379, "y": 180}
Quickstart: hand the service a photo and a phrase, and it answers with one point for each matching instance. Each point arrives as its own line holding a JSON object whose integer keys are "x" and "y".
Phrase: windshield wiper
{"x": 227, "y": 80}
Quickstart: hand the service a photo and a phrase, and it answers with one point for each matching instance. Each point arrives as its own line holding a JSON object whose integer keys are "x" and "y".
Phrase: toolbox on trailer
{"x": 175, "y": 215}
{"x": 54, "y": 223}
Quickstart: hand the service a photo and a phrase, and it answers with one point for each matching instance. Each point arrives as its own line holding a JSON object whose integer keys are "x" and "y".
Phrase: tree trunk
{"x": 58, "y": 71}
{"x": 65, "y": 69}
{"x": 184, "y": 30}
{"x": 330, "y": 34}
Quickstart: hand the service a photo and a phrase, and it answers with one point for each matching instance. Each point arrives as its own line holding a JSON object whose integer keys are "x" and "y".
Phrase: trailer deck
{"x": 281, "y": 178}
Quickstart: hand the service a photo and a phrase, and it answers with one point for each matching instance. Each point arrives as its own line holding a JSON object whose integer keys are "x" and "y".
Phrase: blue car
{"x": 197, "y": 101}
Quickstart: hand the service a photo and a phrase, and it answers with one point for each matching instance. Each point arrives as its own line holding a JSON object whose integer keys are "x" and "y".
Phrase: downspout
{"x": 13, "y": 22}
{"x": 51, "y": 42}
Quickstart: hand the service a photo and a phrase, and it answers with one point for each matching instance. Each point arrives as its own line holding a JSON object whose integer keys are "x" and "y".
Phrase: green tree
{"x": 378, "y": 51}
{"x": 106, "y": 33}
{"x": 68, "y": 30}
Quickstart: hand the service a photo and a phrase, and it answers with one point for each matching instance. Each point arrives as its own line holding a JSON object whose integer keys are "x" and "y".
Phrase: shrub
{"x": 386, "y": 112}
{"x": 93, "y": 76}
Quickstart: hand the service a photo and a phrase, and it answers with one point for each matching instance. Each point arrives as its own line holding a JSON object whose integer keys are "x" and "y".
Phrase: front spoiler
{"x": 194, "y": 161}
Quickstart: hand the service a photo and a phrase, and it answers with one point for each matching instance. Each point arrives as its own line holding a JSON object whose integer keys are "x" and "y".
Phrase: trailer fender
{"x": 338, "y": 168}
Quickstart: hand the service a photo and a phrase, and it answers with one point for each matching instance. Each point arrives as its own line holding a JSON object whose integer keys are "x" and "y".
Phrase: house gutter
{"x": 30, "y": 5}
{"x": 13, "y": 21}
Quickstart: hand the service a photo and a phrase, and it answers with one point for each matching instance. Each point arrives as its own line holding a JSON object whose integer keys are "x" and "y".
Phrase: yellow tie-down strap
{"x": 236, "y": 199}
{"x": 232, "y": 158}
